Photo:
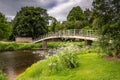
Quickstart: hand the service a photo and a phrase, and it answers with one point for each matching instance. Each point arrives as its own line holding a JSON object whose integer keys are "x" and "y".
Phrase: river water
{"x": 14, "y": 63}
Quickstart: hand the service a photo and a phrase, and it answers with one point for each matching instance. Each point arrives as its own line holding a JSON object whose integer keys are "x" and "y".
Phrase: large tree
{"x": 30, "y": 22}
{"x": 75, "y": 19}
{"x": 76, "y": 14}
{"x": 5, "y": 30}
{"x": 107, "y": 13}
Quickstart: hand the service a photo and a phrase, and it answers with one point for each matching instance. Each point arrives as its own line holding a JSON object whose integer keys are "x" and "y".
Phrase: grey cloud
{"x": 12, "y": 6}
{"x": 56, "y": 8}
{"x": 86, "y": 3}
{"x": 8, "y": 7}
{"x": 61, "y": 10}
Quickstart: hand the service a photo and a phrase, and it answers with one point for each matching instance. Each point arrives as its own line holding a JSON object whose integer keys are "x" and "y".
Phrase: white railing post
{"x": 74, "y": 32}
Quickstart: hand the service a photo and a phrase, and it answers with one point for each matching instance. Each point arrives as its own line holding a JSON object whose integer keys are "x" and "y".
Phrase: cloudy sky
{"x": 56, "y": 8}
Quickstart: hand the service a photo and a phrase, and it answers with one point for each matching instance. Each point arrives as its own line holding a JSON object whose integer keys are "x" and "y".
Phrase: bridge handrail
{"x": 71, "y": 32}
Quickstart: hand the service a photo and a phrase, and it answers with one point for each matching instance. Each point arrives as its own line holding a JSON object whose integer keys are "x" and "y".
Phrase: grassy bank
{"x": 13, "y": 46}
{"x": 2, "y": 77}
{"x": 91, "y": 67}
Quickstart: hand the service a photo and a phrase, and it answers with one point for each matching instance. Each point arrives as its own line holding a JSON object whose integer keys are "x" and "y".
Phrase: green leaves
{"x": 30, "y": 22}
{"x": 107, "y": 22}
{"x": 76, "y": 19}
{"x": 66, "y": 58}
{"x": 76, "y": 14}
{"x": 5, "y": 29}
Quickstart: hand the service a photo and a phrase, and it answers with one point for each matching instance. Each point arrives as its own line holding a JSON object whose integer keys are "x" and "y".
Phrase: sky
{"x": 56, "y": 8}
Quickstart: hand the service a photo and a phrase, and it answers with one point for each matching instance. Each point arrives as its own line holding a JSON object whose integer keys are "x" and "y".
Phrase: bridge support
{"x": 44, "y": 44}
{"x": 88, "y": 42}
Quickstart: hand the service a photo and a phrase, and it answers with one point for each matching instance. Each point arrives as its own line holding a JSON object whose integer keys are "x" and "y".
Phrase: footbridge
{"x": 87, "y": 35}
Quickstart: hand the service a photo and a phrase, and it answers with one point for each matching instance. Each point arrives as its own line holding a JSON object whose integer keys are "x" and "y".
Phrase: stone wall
{"x": 23, "y": 39}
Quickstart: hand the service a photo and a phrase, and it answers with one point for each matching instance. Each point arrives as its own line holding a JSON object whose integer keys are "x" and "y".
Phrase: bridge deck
{"x": 75, "y": 33}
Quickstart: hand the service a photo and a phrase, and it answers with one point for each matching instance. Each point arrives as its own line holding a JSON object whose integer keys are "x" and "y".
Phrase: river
{"x": 14, "y": 63}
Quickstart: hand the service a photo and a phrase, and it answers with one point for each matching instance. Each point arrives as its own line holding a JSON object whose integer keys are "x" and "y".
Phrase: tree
{"x": 107, "y": 13}
{"x": 89, "y": 17}
{"x": 5, "y": 30}
{"x": 30, "y": 22}
{"x": 55, "y": 25}
{"x": 75, "y": 19}
{"x": 76, "y": 14}
{"x": 74, "y": 24}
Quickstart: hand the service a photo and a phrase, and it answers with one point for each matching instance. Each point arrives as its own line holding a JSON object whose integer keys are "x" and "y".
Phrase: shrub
{"x": 54, "y": 65}
{"x": 69, "y": 56}
{"x": 65, "y": 59}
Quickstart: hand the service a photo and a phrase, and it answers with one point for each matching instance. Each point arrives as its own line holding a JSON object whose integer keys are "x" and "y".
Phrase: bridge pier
{"x": 44, "y": 44}
{"x": 88, "y": 42}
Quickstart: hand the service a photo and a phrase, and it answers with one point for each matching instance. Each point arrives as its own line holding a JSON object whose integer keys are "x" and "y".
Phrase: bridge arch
{"x": 87, "y": 35}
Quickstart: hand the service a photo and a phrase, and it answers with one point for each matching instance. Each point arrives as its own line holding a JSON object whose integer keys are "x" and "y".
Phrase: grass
{"x": 91, "y": 67}
{"x": 2, "y": 77}
{"x": 13, "y": 46}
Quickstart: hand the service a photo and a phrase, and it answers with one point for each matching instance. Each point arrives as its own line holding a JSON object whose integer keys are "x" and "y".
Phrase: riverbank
{"x": 13, "y": 46}
{"x": 91, "y": 67}
{"x": 2, "y": 77}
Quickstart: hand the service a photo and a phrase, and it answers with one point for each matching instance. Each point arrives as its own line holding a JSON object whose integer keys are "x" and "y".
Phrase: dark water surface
{"x": 14, "y": 63}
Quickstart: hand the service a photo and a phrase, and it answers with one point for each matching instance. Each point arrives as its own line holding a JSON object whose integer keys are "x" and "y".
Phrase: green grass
{"x": 91, "y": 67}
{"x": 2, "y": 77}
{"x": 13, "y": 46}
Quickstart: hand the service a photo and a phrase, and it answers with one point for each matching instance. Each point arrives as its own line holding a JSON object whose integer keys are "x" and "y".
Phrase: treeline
{"x": 35, "y": 21}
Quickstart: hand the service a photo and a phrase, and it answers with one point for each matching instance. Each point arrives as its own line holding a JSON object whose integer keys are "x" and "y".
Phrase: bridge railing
{"x": 71, "y": 32}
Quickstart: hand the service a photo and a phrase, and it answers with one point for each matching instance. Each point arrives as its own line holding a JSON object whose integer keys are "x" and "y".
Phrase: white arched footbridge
{"x": 87, "y": 35}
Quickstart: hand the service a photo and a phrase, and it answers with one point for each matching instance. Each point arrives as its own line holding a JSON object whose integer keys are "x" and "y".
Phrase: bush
{"x": 65, "y": 59}
{"x": 69, "y": 57}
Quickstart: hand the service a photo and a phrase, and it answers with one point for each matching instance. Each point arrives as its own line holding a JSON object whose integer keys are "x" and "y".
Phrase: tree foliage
{"x": 74, "y": 25}
{"x": 89, "y": 17}
{"x": 76, "y": 14}
{"x": 107, "y": 13}
{"x": 55, "y": 25}
{"x": 75, "y": 19}
{"x": 30, "y": 22}
{"x": 5, "y": 30}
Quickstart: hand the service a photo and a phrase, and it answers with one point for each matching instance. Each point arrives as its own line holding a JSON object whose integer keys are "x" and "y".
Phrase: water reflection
{"x": 15, "y": 62}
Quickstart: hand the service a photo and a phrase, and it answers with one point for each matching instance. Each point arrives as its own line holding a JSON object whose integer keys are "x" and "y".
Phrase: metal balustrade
{"x": 67, "y": 34}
